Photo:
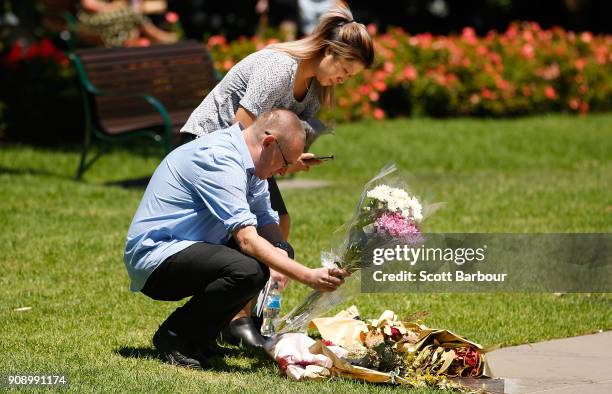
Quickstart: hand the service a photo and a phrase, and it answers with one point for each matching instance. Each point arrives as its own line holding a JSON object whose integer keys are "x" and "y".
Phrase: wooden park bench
{"x": 133, "y": 92}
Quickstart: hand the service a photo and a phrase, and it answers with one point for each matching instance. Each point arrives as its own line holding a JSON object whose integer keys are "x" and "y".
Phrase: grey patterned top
{"x": 260, "y": 82}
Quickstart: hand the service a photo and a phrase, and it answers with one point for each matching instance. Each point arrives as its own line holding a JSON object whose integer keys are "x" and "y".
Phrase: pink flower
{"x": 550, "y": 92}
{"x": 495, "y": 58}
{"x": 227, "y": 64}
{"x": 381, "y": 86}
{"x": 468, "y": 34}
{"x": 586, "y": 36}
{"x": 551, "y": 72}
{"x": 217, "y": 40}
{"x": 372, "y": 29}
{"x": 512, "y": 31}
{"x": 143, "y": 42}
{"x": 389, "y": 67}
{"x": 502, "y": 83}
{"x": 527, "y": 51}
{"x": 374, "y": 96}
{"x": 365, "y": 90}
{"x": 410, "y": 73}
{"x": 378, "y": 114}
{"x": 574, "y": 104}
{"x": 172, "y": 17}
{"x": 395, "y": 225}
{"x": 488, "y": 94}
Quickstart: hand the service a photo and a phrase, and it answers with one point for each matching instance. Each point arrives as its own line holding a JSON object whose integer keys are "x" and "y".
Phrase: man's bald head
{"x": 283, "y": 124}
{"x": 283, "y": 128}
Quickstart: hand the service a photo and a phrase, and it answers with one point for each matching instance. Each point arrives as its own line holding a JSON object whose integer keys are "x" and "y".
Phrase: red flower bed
{"x": 525, "y": 70}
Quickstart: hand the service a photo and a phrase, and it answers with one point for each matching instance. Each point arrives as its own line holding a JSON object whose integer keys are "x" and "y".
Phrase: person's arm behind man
{"x": 273, "y": 234}
{"x": 252, "y": 244}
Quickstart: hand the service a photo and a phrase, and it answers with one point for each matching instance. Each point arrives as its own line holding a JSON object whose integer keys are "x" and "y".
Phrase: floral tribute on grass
{"x": 387, "y": 214}
{"x": 383, "y": 350}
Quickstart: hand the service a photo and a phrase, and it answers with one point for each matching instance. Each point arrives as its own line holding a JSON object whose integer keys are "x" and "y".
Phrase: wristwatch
{"x": 286, "y": 246}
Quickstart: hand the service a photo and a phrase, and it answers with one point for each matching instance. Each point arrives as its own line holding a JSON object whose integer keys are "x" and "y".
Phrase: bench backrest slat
{"x": 178, "y": 75}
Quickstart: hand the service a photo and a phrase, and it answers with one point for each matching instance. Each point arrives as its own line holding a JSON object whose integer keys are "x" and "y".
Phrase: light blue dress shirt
{"x": 201, "y": 192}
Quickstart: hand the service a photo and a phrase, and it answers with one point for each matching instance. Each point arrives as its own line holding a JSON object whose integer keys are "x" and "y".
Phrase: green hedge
{"x": 525, "y": 70}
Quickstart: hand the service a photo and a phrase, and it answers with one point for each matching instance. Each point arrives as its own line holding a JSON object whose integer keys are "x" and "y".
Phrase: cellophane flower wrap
{"x": 388, "y": 214}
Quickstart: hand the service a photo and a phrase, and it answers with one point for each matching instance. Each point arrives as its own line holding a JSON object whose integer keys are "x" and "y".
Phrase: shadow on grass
{"x": 137, "y": 183}
{"x": 138, "y": 352}
{"x": 29, "y": 171}
{"x": 217, "y": 363}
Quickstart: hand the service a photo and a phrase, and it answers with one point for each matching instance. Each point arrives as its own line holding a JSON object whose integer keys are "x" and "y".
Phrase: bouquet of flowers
{"x": 401, "y": 351}
{"x": 388, "y": 214}
{"x": 385, "y": 350}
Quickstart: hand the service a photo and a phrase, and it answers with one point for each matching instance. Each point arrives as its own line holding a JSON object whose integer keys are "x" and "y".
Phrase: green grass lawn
{"x": 62, "y": 241}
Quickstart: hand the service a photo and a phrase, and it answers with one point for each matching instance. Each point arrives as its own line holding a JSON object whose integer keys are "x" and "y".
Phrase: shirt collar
{"x": 243, "y": 149}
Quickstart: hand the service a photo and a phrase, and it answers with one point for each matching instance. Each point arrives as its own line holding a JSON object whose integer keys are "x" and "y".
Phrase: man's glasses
{"x": 280, "y": 150}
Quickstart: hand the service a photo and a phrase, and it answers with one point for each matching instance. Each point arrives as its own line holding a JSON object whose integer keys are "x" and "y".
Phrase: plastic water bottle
{"x": 271, "y": 310}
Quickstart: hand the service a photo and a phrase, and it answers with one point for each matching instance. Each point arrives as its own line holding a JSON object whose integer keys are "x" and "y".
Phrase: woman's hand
{"x": 304, "y": 163}
{"x": 326, "y": 279}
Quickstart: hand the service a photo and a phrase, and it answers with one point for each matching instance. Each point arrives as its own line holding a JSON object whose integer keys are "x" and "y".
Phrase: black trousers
{"x": 219, "y": 279}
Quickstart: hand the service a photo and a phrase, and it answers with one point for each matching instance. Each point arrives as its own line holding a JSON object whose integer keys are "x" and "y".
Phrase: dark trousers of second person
{"x": 219, "y": 279}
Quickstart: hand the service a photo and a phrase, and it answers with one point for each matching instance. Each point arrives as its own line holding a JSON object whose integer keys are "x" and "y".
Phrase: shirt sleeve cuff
{"x": 251, "y": 106}
{"x": 270, "y": 217}
{"x": 239, "y": 221}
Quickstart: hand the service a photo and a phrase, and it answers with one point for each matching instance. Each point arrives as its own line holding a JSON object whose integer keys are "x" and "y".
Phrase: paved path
{"x": 573, "y": 365}
{"x": 297, "y": 183}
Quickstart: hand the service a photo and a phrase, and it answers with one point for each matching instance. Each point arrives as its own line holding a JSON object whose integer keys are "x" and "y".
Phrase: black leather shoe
{"x": 211, "y": 349}
{"x": 177, "y": 351}
{"x": 243, "y": 330}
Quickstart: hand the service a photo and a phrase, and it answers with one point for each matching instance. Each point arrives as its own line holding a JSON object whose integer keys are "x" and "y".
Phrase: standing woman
{"x": 299, "y": 76}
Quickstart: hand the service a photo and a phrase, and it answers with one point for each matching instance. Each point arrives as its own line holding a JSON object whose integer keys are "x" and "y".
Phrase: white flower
{"x": 398, "y": 200}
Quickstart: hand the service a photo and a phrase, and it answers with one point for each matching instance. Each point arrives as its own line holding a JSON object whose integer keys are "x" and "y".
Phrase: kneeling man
{"x": 204, "y": 229}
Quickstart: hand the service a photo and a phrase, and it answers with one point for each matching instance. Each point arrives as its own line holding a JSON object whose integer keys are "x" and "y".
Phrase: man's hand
{"x": 304, "y": 163}
{"x": 279, "y": 278}
{"x": 326, "y": 279}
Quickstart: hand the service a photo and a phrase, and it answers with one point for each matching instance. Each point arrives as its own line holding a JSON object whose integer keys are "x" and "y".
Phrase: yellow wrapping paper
{"x": 342, "y": 329}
